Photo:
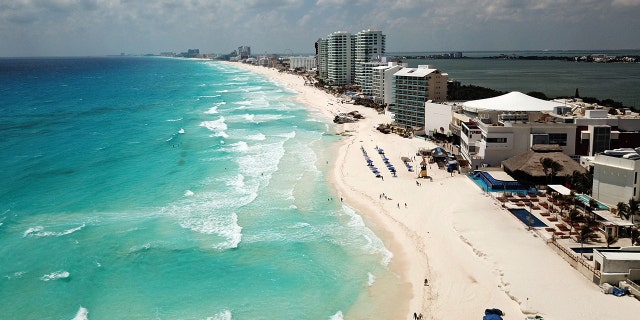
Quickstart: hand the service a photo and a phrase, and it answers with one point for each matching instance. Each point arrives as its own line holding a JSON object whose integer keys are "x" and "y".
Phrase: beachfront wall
{"x": 615, "y": 179}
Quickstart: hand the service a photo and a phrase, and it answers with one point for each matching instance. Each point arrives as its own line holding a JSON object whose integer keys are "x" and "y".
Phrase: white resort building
{"x": 382, "y": 82}
{"x": 505, "y": 126}
{"x": 615, "y": 176}
{"x": 305, "y": 62}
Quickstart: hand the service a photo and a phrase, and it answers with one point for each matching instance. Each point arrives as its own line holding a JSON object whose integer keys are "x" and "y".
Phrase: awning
{"x": 560, "y": 189}
{"x": 610, "y": 217}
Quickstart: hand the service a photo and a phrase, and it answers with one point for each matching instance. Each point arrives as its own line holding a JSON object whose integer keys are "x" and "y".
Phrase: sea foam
{"x": 37, "y": 231}
{"x": 223, "y": 315}
{"x": 337, "y": 316}
{"x": 82, "y": 314}
{"x": 61, "y": 274}
{"x": 218, "y": 127}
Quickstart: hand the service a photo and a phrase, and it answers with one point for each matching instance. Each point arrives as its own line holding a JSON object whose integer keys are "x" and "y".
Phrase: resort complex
{"x": 563, "y": 170}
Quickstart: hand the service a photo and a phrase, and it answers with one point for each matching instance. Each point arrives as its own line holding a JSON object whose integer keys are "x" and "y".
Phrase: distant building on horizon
{"x": 302, "y": 62}
{"x": 244, "y": 52}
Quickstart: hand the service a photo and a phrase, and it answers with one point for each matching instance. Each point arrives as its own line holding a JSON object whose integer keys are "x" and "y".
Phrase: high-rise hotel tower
{"x": 341, "y": 56}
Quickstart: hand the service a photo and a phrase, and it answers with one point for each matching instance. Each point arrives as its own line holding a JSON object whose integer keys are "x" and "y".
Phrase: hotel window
{"x": 496, "y": 140}
{"x": 558, "y": 138}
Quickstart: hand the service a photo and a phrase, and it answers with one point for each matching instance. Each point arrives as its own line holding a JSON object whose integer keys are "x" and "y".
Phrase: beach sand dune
{"x": 474, "y": 254}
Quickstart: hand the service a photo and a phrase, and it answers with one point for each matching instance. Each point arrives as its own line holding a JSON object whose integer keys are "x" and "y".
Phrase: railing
{"x": 576, "y": 258}
{"x": 633, "y": 284}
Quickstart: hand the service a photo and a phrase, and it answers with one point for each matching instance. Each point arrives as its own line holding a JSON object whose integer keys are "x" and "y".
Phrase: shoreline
{"x": 474, "y": 253}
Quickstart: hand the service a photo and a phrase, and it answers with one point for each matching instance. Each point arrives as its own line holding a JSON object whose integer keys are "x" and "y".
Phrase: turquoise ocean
{"x": 152, "y": 188}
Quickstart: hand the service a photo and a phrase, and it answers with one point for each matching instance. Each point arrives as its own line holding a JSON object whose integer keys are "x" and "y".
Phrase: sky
{"x": 100, "y": 27}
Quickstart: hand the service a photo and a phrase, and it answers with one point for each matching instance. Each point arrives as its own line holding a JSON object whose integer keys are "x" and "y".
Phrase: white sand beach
{"x": 474, "y": 253}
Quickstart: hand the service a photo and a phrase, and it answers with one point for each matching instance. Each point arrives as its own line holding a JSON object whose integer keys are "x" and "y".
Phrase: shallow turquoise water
{"x": 170, "y": 189}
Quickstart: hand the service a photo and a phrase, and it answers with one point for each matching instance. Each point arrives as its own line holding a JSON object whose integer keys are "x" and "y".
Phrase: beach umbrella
{"x": 385, "y": 159}
{"x": 374, "y": 168}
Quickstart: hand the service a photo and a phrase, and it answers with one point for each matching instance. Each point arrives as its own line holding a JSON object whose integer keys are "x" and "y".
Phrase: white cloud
{"x": 92, "y": 26}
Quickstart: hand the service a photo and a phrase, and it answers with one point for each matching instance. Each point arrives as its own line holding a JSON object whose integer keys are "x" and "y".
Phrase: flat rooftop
{"x": 620, "y": 255}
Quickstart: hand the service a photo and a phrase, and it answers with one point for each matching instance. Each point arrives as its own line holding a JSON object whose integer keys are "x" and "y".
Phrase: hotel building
{"x": 413, "y": 88}
{"x": 502, "y": 127}
{"x": 343, "y": 58}
{"x": 305, "y": 63}
{"x": 369, "y": 47}
{"x": 382, "y": 82}
{"x": 340, "y": 58}
{"x": 615, "y": 176}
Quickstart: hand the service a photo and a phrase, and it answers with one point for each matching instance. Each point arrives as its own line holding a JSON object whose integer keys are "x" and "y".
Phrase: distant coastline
{"x": 594, "y": 56}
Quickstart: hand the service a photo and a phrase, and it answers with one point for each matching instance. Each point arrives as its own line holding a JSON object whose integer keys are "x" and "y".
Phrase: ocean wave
{"x": 237, "y": 182}
{"x": 289, "y": 135}
{"x": 174, "y": 120}
{"x": 261, "y": 159}
{"x": 224, "y": 226}
{"x": 337, "y": 316}
{"x": 371, "y": 279}
{"x": 256, "y": 137}
{"x": 239, "y": 146}
{"x": 61, "y": 274}
{"x": 17, "y": 274}
{"x": 223, "y": 315}
{"x": 210, "y": 96}
{"x": 212, "y": 110}
{"x": 218, "y": 127}
{"x": 188, "y": 193}
{"x": 299, "y": 225}
{"x": 372, "y": 244}
{"x": 82, "y": 314}
{"x": 249, "y": 117}
{"x": 37, "y": 231}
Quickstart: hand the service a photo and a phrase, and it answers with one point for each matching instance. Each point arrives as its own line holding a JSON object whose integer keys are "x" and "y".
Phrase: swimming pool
{"x": 590, "y": 249}
{"x": 488, "y": 183}
{"x": 527, "y": 218}
{"x": 585, "y": 199}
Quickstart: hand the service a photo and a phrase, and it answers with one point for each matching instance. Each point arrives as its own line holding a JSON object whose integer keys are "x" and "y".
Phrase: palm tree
{"x": 574, "y": 216}
{"x": 628, "y": 210}
{"x": 555, "y": 168}
{"x": 546, "y": 166}
{"x": 623, "y": 210}
{"x": 588, "y": 231}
